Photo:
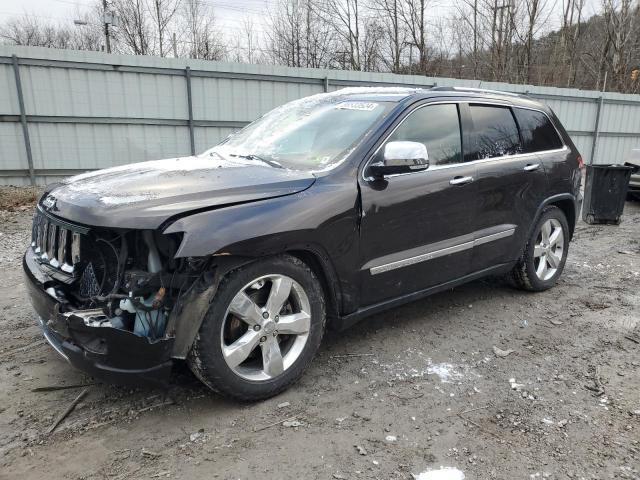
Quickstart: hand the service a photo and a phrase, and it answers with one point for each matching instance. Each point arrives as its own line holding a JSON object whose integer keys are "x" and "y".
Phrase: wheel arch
{"x": 568, "y": 207}
{"x": 323, "y": 269}
{"x": 186, "y": 322}
{"x": 565, "y": 202}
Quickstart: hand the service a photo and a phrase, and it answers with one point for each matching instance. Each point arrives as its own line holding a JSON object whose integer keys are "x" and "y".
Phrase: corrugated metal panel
{"x": 12, "y": 152}
{"x": 75, "y": 146}
{"x": 207, "y": 137}
{"x": 83, "y": 93}
{"x": 105, "y": 100}
{"x": 8, "y": 98}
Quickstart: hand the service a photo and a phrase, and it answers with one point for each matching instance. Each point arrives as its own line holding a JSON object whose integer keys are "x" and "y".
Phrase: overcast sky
{"x": 229, "y": 13}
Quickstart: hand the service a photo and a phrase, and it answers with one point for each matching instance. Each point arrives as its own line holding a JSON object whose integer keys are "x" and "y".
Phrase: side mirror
{"x": 400, "y": 157}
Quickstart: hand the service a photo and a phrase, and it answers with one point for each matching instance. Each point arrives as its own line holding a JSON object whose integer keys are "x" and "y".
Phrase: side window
{"x": 538, "y": 134}
{"x": 438, "y": 128}
{"x": 495, "y": 133}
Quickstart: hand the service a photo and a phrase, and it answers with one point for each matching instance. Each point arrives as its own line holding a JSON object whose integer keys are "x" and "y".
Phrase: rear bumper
{"x": 634, "y": 183}
{"x": 117, "y": 356}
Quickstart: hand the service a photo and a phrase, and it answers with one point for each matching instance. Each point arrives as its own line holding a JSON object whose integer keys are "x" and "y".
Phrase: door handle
{"x": 531, "y": 167}
{"x": 460, "y": 180}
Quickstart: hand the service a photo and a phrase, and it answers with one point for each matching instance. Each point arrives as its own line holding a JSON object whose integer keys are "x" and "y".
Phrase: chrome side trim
{"x": 441, "y": 252}
{"x": 494, "y": 236}
{"x": 421, "y": 258}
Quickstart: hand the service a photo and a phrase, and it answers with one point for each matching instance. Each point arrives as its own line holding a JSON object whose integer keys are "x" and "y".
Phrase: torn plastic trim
{"x": 190, "y": 308}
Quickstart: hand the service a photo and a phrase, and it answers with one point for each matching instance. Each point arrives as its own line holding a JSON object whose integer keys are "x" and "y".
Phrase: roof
{"x": 397, "y": 94}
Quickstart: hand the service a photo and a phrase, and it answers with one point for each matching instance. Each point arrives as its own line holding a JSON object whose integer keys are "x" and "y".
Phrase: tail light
{"x": 580, "y": 162}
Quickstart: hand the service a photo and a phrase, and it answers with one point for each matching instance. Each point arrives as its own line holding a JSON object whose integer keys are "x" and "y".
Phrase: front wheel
{"x": 262, "y": 329}
{"x": 545, "y": 254}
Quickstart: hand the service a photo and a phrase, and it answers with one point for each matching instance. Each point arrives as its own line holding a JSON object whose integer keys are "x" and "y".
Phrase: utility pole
{"x": 106, "y": 19}
{"x": 499, "y": 17}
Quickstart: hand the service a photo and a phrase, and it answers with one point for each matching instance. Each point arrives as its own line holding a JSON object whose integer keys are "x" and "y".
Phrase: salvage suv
{"x": 321, "y": 212}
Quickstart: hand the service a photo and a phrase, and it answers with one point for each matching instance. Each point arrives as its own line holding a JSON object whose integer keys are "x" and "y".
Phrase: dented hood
{"x": 144, "y": 195}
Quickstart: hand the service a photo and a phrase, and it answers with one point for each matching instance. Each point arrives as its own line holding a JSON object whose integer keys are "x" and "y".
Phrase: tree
{"x": 134, "y": 32}
{"x": 204, "y": 40}
{"x": 414, "y": 17}
{"x": 162, "y": 13}
{"x": 389, "y": 13}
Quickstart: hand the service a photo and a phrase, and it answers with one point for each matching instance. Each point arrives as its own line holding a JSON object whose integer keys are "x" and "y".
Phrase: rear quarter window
{"x": 537, "y": 131}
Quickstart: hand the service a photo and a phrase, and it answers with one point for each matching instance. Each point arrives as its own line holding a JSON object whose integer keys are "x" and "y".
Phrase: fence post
{"x": 326, "y": 84}
{"x": 23, "y": 119}
{"x": 596, "y": 130}
{"x": 187, "y": 72}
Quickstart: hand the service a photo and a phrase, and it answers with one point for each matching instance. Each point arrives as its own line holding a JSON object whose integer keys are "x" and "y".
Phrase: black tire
{"x": 523, "y": 275}
{"x": 206, "y": 358}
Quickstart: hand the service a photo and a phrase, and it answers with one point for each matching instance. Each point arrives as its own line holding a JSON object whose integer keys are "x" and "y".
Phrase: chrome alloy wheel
{"x": 266, "y": 327}
{"x": 549, "y": 249}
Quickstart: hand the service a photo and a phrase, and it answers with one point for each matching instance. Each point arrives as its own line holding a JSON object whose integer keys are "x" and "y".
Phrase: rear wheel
{"x": 261, "y": 331}
{"x": 545, "y": 254}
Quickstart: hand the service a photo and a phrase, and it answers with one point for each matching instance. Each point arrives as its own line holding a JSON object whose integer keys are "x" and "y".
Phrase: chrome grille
{"x": 55, "y": 243}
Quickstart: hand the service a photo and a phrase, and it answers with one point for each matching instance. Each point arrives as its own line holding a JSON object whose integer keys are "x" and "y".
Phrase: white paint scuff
{"x": 446, "y": 473}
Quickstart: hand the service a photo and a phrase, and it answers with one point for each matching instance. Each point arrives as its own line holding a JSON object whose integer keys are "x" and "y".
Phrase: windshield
{"x": 313, "y": 133}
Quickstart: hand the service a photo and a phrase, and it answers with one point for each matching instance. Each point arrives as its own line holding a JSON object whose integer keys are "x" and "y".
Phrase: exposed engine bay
{"x": 118, "y": 278}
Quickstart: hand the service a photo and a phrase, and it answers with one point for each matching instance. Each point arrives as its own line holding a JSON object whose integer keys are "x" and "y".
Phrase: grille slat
{"x": 62, "y": 246}
{"x": 55, "y": 245}
{"x": 52, "y": 235}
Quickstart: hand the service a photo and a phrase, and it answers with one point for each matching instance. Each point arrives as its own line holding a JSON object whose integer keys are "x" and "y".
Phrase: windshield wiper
{"x": 251, "y": 156}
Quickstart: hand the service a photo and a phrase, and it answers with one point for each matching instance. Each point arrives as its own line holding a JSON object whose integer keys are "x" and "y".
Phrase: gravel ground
{"x": 411, "y": 390}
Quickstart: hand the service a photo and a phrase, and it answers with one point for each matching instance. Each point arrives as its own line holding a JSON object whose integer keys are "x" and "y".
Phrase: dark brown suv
{"x": 323, "y": 211}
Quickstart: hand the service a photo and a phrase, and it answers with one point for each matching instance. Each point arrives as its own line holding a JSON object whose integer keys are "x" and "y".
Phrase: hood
{"x": 144, "y": 195}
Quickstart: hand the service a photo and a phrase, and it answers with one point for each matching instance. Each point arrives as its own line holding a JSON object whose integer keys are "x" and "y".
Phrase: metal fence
{"x": 64, "y": 112}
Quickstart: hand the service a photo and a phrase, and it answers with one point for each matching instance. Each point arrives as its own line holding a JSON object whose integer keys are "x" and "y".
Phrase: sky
{"x": 230, "y": 14}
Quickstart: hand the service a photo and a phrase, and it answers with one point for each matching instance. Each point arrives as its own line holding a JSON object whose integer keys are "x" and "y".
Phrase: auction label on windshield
{"x": 366, "y": 106}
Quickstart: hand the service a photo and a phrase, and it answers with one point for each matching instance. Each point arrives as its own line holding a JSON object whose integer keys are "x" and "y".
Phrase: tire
{"x": 527, "y": 274}
{"x": 262, "y": 374}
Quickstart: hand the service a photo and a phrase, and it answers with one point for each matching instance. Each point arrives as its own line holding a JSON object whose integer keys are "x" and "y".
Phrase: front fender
{"x": 322, "y": 219}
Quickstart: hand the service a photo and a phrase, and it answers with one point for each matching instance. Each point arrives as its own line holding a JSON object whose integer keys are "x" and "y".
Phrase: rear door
{"x": 539, "y": 136}
{"x": 417, "y": 228}
{"x": 511, "y": 184}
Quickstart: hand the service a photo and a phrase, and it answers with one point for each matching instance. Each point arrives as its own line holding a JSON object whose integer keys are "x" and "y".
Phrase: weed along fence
{"x": 63, "y": 112}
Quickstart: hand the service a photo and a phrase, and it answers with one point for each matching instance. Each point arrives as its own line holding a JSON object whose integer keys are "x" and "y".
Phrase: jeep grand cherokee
{"x": 323, "y": 211}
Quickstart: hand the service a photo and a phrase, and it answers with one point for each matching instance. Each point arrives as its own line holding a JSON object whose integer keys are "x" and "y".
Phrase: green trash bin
{"x": 605, "y": 192}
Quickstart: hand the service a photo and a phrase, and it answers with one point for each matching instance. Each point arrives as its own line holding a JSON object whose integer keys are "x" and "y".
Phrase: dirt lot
{"x": 411, "y": 390}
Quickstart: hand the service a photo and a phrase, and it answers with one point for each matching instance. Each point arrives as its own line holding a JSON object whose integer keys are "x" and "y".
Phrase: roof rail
{"x": 475, "y": 90}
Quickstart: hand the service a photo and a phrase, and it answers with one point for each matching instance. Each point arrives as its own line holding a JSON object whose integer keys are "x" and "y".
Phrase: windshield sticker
{"x": 365, "y": 106}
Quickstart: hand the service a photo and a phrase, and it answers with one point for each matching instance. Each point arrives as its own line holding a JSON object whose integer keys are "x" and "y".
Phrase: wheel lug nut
{"x": 256, "y": 328}
{"x": 275, "y": 334}
{"x": 265, "y": 315}
{"x": 277, "y": 318}
{"x": 263, "y": 339}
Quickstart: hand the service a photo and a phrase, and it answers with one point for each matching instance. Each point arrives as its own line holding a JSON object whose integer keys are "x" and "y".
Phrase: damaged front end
{"x": 110, "y": 300}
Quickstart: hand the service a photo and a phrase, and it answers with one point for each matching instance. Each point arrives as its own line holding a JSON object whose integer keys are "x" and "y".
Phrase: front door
{"x": 417, "y": 228}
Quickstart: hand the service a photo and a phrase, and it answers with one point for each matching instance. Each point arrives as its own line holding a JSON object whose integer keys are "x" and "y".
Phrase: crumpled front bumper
{"x": 115, "y": 355}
